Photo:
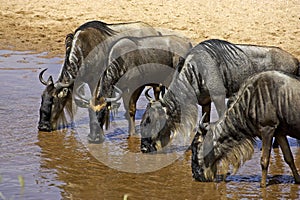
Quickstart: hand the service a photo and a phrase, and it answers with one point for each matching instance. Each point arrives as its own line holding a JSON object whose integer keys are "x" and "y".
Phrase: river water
{"x": 60, "y": 165}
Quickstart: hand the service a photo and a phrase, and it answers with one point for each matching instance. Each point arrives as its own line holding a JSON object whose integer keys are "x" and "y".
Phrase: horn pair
{"x": 50, "y": 81}
{"x": 83, "y": 102}
{"x": 150, "y": 99}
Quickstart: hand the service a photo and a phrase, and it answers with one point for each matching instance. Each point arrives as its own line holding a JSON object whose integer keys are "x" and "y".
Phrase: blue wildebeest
{"x": 266, "y": 106}
{"x": 86, "y": 52}
{"x": 133, "y": 64}
{"x": 214, "y": 69}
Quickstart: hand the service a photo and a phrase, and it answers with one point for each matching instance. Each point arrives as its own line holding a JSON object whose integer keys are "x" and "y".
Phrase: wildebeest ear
{"x": 180, "y": 64}
{"x": 181, "y": 59}
{"x": 50, "y": 80}
{"x": 69, "y": 39}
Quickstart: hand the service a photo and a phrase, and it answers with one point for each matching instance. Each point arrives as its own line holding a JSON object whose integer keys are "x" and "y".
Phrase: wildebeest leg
{"x": 96, "y": 131}
{"x": 267, "y": 134}
{"x": 132, "y": 110}
{"x": 219, "y": 101}
{"x": 215, "y": 89}
{"x": 275, "y": 144}
{"x": 288, "y": 156}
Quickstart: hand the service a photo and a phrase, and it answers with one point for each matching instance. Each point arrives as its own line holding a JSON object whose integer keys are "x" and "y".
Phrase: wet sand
{"x": 42, "y": 25}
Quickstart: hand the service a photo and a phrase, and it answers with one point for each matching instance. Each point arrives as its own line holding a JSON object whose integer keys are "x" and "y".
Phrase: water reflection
{"x": 19, "y": 102}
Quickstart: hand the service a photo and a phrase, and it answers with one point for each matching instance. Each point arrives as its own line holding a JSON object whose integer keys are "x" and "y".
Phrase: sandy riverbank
{"x": 42, "y": 25}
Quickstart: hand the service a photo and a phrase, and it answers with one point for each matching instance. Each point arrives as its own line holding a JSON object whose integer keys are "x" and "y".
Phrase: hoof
{"x": 44, "y": 128}
{"x": 297, "y": 180}
{"x": 148, "y": 148}
{"x": 95, "y": 140}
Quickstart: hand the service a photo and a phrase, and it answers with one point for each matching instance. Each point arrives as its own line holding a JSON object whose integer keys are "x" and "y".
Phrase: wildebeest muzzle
{"x": 147, "y": 145}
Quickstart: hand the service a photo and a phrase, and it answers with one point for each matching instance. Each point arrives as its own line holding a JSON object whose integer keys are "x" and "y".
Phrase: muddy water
{"x": 58, "y": 165}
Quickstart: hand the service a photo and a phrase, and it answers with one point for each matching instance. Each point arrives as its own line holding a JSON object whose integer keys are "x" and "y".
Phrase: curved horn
{"x": 63, "y": 85}
{"x": 41, "y": 77}
{"x": 162, "y": 89}
{"x": 117, "y": 97}
{"x": 161, "y": 98}
{"x": 204, "y": 126}
{"x": 81, "y": 101}
{"x": 150, "y": 99}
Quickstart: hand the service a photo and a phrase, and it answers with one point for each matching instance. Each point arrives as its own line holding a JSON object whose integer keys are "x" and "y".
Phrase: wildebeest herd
{"x": 119, "y": 60}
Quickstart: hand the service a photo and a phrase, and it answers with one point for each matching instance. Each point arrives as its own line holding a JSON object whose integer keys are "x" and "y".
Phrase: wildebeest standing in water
{"x": 86, "y": 52}
{"x": 266, "y": 106}
{"x": 133, "y": 64}
{"x": 214, "y": 69}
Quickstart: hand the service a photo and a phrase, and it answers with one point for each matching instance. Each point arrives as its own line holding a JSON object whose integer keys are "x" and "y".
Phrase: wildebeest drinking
{"x": 266, "y": 106}
{"x": 86, "y": 52}
{"x": 133, "y": 64}
{"x": 214, "y": 69}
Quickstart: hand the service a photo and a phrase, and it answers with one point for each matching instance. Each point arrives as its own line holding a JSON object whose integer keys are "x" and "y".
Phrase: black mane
{"x": 100, "y": 26}
{"x": 222, "y": 49}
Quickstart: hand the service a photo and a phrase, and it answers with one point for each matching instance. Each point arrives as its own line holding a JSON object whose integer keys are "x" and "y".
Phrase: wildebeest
{"x": 86, "y": 52}
{"x": 266, "y": 106}
{"x": 133, "y": 64}
{"x": 214, "y": 69}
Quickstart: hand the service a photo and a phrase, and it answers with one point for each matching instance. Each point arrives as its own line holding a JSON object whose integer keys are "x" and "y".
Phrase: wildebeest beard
{"x": 216, "y": 150}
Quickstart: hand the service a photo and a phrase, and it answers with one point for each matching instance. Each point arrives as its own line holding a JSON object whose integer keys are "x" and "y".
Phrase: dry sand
{"x": 42, "y": 25}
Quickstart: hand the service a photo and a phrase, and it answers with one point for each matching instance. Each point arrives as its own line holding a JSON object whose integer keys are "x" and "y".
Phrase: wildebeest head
{"x": 203, "y": 166}
{"x": 54, "y": 98}
{"x": 155, "y": 130}
{"x": 56, "y": 95}
{"x": 99, "y": 110}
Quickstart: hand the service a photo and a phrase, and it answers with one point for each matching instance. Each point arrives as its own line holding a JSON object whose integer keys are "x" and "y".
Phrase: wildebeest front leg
{"x": 288, "y": 156}
{"x": 214, "y": 87}
{"x": 267, "y": 134}
{"x": 132, "y": 110}
{"x": 219, "y": 101}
